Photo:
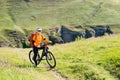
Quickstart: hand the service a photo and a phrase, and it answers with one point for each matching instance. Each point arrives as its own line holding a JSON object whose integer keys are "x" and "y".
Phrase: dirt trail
{"x": 54, "y": 73}
{"x": 58, "y": 75}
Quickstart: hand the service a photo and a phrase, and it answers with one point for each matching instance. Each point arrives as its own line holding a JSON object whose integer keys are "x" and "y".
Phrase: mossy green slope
{"x": 18, "y": 14}
{"x": 49, "y": 13}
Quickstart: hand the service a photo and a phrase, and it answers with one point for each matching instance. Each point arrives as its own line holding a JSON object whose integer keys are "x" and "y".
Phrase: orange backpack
{"x": 31, "y": 39}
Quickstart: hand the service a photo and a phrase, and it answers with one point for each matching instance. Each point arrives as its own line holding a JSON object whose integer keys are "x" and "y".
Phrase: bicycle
{"x": 49, "y": 57}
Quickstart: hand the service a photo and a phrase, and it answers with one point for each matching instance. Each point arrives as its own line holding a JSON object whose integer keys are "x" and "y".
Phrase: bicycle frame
{"x": 44, "y": 47}
{"x": 45, "y": 50}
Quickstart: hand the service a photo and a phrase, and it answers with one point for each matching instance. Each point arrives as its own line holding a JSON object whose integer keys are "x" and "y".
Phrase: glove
{"x": 50, "y": 42}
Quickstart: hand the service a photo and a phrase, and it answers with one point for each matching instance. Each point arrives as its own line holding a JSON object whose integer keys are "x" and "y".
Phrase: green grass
{"x": 15, "y": 66}
{"x": 90, "y": 59}
{"x": 50, "y": 13}
{"x": 18, "y": 14}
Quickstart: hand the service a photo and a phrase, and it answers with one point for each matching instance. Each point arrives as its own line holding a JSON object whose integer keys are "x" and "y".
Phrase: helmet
{"x": 39, "y": 29}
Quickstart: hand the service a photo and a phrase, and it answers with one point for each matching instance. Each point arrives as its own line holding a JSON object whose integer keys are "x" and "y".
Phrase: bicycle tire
{"x": 31, "y": 54}
{"x": 49, "y": 58}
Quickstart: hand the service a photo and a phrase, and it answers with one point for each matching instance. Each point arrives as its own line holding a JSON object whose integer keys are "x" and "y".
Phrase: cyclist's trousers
{"x": 35, "y": 50}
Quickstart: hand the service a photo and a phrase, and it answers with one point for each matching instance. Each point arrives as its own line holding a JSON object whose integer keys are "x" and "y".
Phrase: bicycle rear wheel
{"x": 31, "y": 54}
{"x": 50, "y": 59}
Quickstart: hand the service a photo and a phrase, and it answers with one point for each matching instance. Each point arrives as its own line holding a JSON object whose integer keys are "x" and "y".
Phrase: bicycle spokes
{"x": 50, "y": 59}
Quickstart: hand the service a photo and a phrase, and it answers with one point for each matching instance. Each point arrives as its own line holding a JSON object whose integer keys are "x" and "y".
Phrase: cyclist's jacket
{"x": 37, "y": 39}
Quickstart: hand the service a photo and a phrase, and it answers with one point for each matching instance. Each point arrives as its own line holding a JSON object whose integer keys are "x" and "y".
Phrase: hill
{"x": 48, "y": 13}
{"x": 23, "y": 16}
{"x": 90, "y": 59}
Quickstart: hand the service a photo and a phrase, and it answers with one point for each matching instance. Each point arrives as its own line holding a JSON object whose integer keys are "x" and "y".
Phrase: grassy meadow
{"x": 15, "y": 65}
{"x": 90, "y": 59}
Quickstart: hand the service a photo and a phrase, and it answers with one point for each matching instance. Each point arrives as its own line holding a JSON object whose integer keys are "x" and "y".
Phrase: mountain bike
{"x": 49, "y": 57}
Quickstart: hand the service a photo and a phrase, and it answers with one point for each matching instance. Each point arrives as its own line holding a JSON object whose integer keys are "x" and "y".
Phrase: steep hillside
{"x": 91, "y": 59}
{"x": 22, "y": 16}
{"x": 48, "y": 13}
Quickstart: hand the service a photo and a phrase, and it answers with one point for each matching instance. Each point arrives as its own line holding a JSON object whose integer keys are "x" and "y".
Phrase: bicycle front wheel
{"x": 50, "y": 59}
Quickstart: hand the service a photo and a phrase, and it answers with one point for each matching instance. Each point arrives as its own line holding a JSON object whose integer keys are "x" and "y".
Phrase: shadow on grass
{"x": 32, "y": 66}
{"x": 24, "y": 66}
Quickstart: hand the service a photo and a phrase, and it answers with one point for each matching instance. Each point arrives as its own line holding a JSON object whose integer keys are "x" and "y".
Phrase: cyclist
{"x": 38, "y": 40}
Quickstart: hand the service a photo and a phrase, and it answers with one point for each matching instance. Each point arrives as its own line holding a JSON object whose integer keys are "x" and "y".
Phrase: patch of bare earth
{"x": 58, "y": 75}
{"x": 3, "y": 64}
